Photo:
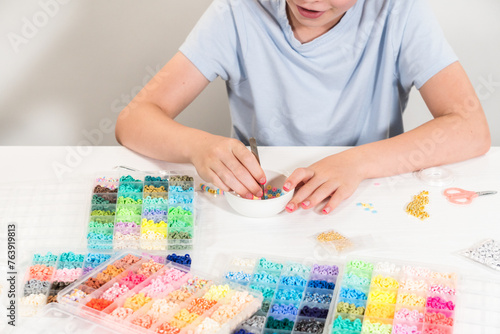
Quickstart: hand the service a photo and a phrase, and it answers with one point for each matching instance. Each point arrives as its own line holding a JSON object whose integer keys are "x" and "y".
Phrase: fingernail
{"x": 327, "y": 210}
{"x": 287, "y": 186}
{"x": 305, "y": 204}
{"x": 260, "y": 194}
{"x": 290, "y": 207}
{"x": 249, "y": 196}
{"x": 263, "y": 180}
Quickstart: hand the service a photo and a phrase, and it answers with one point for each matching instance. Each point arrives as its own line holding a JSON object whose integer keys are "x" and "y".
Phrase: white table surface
{"x": 51, "y": 209}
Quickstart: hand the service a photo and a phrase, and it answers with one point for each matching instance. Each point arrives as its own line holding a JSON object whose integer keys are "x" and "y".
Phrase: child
{"x": 312, "y": 72}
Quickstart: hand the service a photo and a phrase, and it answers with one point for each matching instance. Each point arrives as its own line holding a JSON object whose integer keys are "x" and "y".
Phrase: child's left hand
{"x": 337, "y": 176}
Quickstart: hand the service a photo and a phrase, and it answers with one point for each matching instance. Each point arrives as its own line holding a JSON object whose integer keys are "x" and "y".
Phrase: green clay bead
{"x": 179, "y": 235}
{"x": 263, "y": 263}
{"x": 129, "y": 200}
{"x": 128, "y": 178}
{"x": 360, "y": 265}
{"x": 128, "y": 211}
{"x": 101, "y": 220}
{"x": 99, "y": 200}
{"x": 102, "y": 213}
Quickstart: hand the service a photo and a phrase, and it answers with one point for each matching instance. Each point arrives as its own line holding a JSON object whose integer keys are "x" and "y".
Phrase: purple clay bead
{"x": 86, "y": 270}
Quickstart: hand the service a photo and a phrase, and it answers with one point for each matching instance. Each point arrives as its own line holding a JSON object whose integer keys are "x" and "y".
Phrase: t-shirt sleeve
{"x": 423, "y": 50}
{"x": 212, "y": 45}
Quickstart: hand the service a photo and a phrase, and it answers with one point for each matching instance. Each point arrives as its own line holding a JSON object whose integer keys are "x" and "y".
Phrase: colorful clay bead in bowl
{"x": 261, "y": 208}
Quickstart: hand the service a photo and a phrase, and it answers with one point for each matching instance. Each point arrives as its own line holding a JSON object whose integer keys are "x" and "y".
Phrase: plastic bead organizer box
{"x": 49, "y": 273}
{"x": 373, "y": 312}
{"x": 138, "y": 295}
{"x": 368, "y": 296}
{"x": 387, "y": 298}
{"x": 142, "y": 211}
{"x": 297, "y": 296}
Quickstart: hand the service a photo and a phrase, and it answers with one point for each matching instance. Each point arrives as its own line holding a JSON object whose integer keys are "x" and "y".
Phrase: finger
{"x": 243, "y": 175}
{"x": 301, "y": 196}
{"x": 304, "y": 192}
{"x": 338, "y": 196}
{"x": 216, "y": 181}
{"x": 298, "y": 175}
{"x": 250, "y": 162}
{"x": 209, "y": 176}
{"x": 228, "y": 178}
{"x": 318, "y": 195}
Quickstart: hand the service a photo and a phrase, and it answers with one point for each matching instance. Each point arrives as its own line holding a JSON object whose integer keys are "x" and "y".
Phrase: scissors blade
{"x": 255, "y": 151}
{"x": 485, "y": 193}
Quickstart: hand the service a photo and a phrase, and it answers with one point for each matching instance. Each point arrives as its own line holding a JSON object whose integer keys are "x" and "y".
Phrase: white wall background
{"x": 68, "y": 66}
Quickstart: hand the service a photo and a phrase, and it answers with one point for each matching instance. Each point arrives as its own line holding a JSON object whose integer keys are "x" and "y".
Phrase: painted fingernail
{"x": 263, "y": 180}
{"x": 260, "y": 194}
{"x": 290, "y": 207}
{"x": 287, "y": 186}
{"x": 249, "y": 196}
{"x": 305, "y": 204}
{"x": 326, "y": 210}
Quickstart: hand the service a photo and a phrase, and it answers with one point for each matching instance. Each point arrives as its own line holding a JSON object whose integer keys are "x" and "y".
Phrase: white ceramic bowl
{"x": 262, "y": 208}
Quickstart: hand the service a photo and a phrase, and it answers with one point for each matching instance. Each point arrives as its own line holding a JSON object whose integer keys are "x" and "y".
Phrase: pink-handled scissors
{"x": 460, "y": 196}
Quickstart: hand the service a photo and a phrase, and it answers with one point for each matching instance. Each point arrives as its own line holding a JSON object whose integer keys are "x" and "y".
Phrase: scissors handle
{"x": 460, "y": 196}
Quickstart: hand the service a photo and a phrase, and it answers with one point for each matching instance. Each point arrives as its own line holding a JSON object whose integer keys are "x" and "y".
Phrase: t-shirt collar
{"x": 330, "y": 35}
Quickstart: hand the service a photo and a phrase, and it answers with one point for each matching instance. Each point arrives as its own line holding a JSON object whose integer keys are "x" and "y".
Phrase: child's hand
{"x": 228, "y": 164}
{"x": 337, "y": 176}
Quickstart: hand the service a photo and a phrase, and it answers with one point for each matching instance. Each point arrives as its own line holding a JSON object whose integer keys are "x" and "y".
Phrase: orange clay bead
{"x": 185, "y": 316}
{"x": 178, "y": 323}
{"x": 167, "y": 328}
{"x": 126, "y": 261}
{"x": 411, "y": 299}
{"x": 438, "y": 319}
{"x": 178, "y": 295}
{"x": 99, "y": 304}
{"x": 145, "y": 321}
{"x": 382, "y": 311}
{"x": 136, "y": 301}
{"x": 109, "y": 273}
{"x": 40, "y": 272}
{"x": 200, "y": 305}
{"x": 149, "y": 268}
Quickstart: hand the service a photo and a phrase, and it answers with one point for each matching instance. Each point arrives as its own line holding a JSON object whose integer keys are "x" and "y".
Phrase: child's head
{"x": 317, "y": 14}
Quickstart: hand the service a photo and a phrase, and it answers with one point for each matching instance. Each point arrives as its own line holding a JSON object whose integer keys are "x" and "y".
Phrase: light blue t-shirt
{"x": 345, "y": 88}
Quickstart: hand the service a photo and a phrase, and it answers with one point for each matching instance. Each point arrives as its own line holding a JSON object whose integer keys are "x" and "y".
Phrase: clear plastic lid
{"x": 54, "y": 318}
{"x": 436, "y": 176}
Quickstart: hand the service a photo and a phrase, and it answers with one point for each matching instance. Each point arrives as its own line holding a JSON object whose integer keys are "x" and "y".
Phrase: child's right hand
{"x": 148, "y": 122}
{"x": 228, "y": 164}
